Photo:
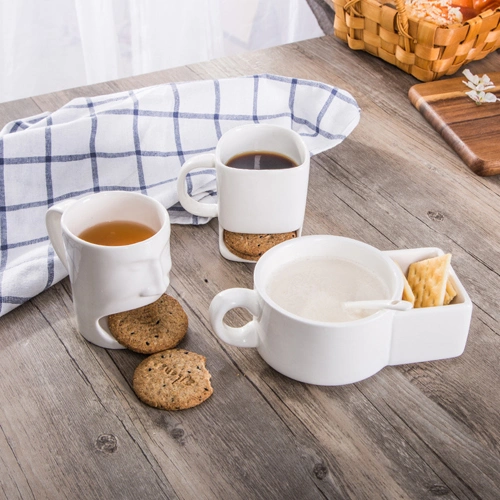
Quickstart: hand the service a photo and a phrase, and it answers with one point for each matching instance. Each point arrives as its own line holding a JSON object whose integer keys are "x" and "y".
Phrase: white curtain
{"x": 49, "y": 45}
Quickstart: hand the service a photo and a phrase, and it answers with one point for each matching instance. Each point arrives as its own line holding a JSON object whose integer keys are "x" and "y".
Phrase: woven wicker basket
{"x": 419, "y": 48}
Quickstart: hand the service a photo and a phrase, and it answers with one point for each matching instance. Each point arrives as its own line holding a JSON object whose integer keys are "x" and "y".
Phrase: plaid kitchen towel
{"x": 137, "y": 141}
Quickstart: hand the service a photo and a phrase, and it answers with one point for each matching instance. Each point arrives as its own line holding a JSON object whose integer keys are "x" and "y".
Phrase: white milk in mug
{"x": 316, "y": 288}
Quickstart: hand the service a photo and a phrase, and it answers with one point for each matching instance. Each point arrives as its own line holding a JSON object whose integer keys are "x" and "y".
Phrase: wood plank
{"x": 22, "y": 108}
{"x": 472, "y": 130}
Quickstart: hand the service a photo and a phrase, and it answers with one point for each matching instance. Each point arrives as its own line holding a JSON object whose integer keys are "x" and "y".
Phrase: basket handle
{"x": 350, "y": 7}
{"x": 401, "y": 18}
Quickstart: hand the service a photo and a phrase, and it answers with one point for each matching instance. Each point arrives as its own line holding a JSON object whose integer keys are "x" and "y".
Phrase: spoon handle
{"x": 396, "y": 305}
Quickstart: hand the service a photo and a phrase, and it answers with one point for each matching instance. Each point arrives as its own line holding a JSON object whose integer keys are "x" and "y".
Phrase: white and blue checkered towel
{"x": 137, "y": 141}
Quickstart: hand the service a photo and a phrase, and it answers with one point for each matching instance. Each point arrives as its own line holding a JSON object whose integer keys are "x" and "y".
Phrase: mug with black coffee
{"x": 262, "y": 176}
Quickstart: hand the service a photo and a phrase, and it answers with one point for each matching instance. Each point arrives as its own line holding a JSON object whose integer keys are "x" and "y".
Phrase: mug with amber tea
{"x": 116, "y": 248}
{"x": 262, "y": 173}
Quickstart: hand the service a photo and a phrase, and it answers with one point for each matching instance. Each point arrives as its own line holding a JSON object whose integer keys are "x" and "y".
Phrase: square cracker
{"x": 450, "y": 293}
{"x": 428, "y": 279}
{"x": 408, "y": 292}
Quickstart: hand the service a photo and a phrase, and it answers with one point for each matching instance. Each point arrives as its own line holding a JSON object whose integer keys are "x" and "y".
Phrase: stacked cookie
{"x": 169, "y": 378}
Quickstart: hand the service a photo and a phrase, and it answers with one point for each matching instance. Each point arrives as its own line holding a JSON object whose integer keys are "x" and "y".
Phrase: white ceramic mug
{"x": 315, "y": 352}
{"x": 110, "y": 279}
{"x": 253, "y": 201}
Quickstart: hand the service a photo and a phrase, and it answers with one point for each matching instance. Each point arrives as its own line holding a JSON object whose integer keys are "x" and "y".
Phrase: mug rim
{"x": 260, "y": 287}
{"x": 115, "y": 192}
{"x": 237, "y": 129}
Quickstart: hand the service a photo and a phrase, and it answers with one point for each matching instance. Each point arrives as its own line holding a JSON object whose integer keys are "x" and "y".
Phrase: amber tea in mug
{"x": 117, "y": 233}
{"x": 115, "y": 246}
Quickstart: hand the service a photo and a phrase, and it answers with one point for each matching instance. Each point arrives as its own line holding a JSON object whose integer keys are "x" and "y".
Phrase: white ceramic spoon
{"x": 396, "y": 305}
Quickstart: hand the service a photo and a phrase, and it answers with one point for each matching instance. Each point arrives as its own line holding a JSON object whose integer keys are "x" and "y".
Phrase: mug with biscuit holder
{"x": 338, "y": 353}
{"x": 116, "y": 248}
{"x": 107, "y": 275}
{"x": 255, "y": 201}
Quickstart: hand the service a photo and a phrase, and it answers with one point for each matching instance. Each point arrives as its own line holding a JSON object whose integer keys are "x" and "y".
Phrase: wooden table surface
{"x": 71, "y": 426}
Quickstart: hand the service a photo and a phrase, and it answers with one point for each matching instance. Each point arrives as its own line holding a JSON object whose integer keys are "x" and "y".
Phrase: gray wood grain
{"x": 71, "y": 426}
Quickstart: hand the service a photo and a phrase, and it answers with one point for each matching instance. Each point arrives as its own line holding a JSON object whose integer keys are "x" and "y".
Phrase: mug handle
{"x": 54, "y": 228}
{"x": 245, "y": 336}
{"x": 192, "y": 206}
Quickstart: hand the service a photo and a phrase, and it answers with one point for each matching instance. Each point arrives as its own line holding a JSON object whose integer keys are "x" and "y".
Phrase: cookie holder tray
{"x": 429, "y": 333}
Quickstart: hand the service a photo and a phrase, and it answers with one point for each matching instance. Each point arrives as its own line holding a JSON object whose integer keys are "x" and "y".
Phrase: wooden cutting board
{"x": 472, "y": 131}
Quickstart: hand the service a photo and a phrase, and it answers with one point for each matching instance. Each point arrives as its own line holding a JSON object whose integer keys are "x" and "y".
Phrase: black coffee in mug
{"x": 261, "y": 160}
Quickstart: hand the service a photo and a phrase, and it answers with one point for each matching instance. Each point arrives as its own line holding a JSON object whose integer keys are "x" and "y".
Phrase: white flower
{"x": 478, "y": 85}
{"x": 473, "y": 79}
{"x": 490, "y": 97}
{"x": 473, "y": 95}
